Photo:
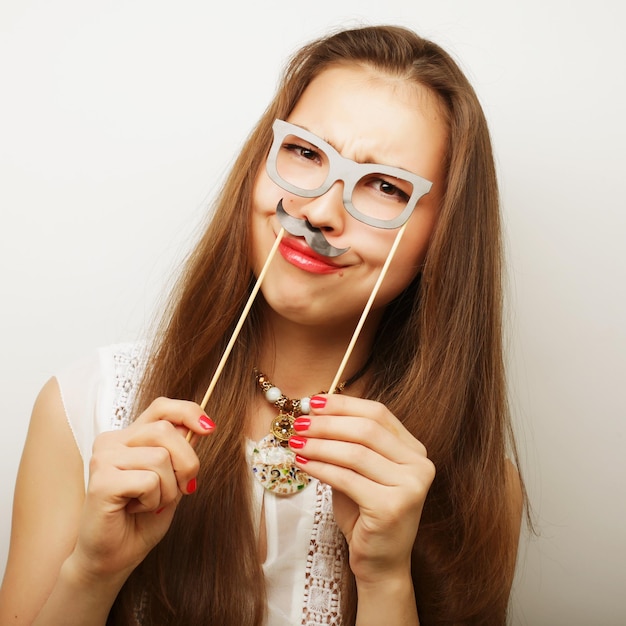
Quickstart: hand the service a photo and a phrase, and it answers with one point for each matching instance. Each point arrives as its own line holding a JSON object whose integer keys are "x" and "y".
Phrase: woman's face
{"x": 368, "y": 117}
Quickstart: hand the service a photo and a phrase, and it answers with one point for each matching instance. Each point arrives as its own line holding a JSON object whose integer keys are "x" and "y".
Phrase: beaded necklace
{"x": 272, "y": 459}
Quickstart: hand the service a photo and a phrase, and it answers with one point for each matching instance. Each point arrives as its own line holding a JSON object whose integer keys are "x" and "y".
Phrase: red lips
{"x": 298, "y": 253}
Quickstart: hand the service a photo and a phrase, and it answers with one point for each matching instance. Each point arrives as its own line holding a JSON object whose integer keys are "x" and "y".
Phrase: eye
{"x": 387, "y": 188}
{"x": 304, "y": 152}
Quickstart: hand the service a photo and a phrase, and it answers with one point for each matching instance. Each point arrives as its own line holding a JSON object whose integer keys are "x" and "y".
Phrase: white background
{"x": 118, "y": 118}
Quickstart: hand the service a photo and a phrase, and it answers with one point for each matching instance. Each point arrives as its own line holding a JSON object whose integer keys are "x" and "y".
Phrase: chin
{"x": 300, "y": 306}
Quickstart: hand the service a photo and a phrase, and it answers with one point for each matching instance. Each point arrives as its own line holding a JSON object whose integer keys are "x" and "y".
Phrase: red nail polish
{"x": 206, "y": 422}
{"x": 191, "y": 485}
{"x": 301, "y": 423}
{"x": 297, "y": 442}
{"x": 159, "y": 510}
{"x": 301, "y": 460}
{"x": 317, "y": 402}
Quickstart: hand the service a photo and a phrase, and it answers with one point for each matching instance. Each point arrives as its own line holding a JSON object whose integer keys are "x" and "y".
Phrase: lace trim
{"x": 324, "y": 567}
{"x": 127, "y": 367}
{"x": 128, "y": 364}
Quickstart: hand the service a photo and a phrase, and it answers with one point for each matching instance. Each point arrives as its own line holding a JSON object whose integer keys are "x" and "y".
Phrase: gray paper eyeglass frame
{"x": 346, "y": 170}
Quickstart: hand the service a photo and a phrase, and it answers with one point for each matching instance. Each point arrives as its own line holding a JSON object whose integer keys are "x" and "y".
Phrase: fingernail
{"x": 206, "y": 422}
{"x": 159, "y": 510}
{"x": 301, "y": 423}
{"x": 191, "y": 485}
{"x": 301, "y": 460}
{"x": 317, "y": 402}
{"x": 297, "y": 442}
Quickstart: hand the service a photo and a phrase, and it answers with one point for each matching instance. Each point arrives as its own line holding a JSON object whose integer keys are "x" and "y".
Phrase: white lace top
{"x": 304, "y": 546}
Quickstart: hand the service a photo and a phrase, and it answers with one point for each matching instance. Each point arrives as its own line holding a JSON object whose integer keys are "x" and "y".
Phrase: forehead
{"x": 369, "y": 116}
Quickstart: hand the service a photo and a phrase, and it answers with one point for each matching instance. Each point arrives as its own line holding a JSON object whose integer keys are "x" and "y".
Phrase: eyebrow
{"x": 325, "y": 139}
{"x": 368, "y": 160}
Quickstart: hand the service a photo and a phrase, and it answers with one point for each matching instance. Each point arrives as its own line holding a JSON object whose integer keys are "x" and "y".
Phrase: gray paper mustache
{"x": 313, "y": 236}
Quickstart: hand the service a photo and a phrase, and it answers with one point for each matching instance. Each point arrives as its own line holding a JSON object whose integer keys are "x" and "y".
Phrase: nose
{"x": 327, "y": 211}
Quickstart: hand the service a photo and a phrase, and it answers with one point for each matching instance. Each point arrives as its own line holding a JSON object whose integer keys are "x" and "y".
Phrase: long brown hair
{"x": 437, "y": 364}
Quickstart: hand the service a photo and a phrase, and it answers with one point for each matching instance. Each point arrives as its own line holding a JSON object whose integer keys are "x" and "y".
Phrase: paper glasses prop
{"x": 305, "y": 165}
{"x": 377, "y": 195}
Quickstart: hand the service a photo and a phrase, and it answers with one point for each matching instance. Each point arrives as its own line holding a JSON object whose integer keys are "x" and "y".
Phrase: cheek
{"x": 265, "y": 197}
{"x": 416, "y": 240}
{"x": 410, "y": 255}
{"x": 265, "y": 194}
{"x": 374, "y": 246}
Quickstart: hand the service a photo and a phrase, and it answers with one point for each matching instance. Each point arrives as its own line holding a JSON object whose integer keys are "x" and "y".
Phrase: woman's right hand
{"x": 137, "y": 477}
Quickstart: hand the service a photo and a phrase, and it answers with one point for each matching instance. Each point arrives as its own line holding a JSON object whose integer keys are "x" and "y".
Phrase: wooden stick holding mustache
{"x": 242, "y": 318}
{"x": 366, "y": 310}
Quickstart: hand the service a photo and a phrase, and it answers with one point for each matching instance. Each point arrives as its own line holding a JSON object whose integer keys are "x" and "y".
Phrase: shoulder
{"x": 48, "y": 429}
{"x": 48, "y": 407}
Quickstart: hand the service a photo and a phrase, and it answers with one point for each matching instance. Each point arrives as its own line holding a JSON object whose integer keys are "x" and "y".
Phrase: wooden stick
{"x": 242, "y": 318}
{"x": 366, "y": 310}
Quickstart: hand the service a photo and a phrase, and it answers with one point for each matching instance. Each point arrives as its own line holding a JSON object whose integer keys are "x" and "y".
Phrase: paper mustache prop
{"x": 302, "y": 228}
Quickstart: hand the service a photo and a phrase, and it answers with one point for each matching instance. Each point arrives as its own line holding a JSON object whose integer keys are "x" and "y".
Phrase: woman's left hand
{"x": 380, "y": 475}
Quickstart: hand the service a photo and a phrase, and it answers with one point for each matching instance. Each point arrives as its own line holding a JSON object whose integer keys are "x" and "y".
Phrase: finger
{"x": 355, "y": 457}
{"x": 364, "y": 431}
{"x": 404, "y": 488}
{"x": 358, "y": 488}
{"x": 152, "y": 459}
{"x": 148, "y": 501}
{"x": 113, "y": 489}
{"x": 339, "y": 404}
{"x": 186, "y": 415}
{"x": 153, "y": 446}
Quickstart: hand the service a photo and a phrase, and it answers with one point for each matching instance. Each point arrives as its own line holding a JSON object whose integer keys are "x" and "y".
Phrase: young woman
{"x": 389, "y": 500}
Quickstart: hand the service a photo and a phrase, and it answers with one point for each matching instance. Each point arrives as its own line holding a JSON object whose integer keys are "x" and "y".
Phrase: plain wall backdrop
{"x": 118, "y": 119}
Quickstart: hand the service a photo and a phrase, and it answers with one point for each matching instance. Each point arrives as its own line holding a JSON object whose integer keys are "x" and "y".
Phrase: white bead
{"x": 305, "y": 405}
{"x": 272, "y": 394}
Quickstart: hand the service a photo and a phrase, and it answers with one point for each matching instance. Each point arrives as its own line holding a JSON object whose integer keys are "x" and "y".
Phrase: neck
{"x": 303, "y": 360}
